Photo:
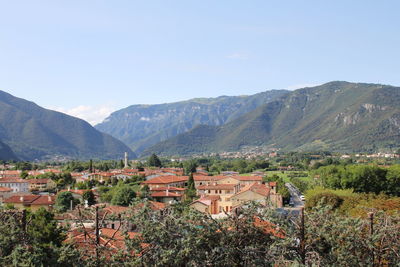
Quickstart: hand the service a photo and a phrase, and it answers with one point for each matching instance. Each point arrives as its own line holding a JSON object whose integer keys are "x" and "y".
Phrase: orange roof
{"x": 31, "y": 199}
{"x": 207, "y": 178}
{"x": 207, "y": 200}
{"x": 5, "y": 189}
{"x": 115, "y": 209}
{"x": 217, "y": 187}
{"x": 269, "y": 228}
{"x": 167, "y": 179}
{"x": 13, "y": 180}
{"x": 257, "y": 188}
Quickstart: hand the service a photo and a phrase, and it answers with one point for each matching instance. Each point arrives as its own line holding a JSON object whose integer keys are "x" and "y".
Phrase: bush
{"x": 324, "y": 199}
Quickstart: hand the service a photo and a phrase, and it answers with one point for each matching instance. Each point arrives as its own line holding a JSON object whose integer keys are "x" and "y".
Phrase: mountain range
{"x": 336, "y": 116}
{"x": 29, "y": 132}
{"x": 141, "y": 126}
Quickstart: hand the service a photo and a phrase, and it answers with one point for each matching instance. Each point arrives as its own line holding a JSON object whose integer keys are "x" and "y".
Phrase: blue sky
{"x": 88, "y": 58}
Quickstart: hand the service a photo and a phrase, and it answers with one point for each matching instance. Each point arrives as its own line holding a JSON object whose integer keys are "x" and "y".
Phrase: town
{"x": 97, "y": 203}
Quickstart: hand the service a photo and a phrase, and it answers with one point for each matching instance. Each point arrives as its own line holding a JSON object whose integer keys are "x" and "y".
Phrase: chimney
{"x": 21, "y": 198}
{"x": 49, "y": 198}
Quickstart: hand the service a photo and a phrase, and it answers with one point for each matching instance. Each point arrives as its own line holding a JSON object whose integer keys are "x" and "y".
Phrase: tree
{"x": 43, "y": 228}
{"x": 24, "y": 174}
{"x": 123, "y": 196}
{"x": 63, "y": 201}
{"x": 91, "y": 166}
{"x": 190, "y": 166}
{"x": 154, "y": 161}
{"x": 393, "y": 180}
{"x": 89, "y": 196}
{"x": 145, "y": 192}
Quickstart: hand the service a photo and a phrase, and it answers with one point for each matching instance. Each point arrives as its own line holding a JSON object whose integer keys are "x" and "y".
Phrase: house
{"x": 111, "y": 240}
{"x": 207, "y": 204}
{"x": 237, "y": 179}
{"x": 5, "y": 192}
{"x": 252, "y": 192}
{"x": 16, "y": 184}
{"x": 218, "y": 198}
{"x": 33, "y": 202}
{"x": 167, "y": 196}
{"x": 41, "y": 184}
{"x": 10, "y": 174}
{"x": 167, "y": 180}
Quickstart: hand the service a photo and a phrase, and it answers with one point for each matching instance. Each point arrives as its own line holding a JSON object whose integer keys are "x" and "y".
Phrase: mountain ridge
{"x": 141, "y": 126}
{"x": 340, "y": 116}
{"x": 33, "y": 132}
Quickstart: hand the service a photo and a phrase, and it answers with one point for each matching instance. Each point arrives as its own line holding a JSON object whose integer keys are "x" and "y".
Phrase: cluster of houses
{"x": 216, "y": 195}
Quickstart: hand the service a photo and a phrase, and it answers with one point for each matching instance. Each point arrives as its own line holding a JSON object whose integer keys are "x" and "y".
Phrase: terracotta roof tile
{"x": 167, "y": 179}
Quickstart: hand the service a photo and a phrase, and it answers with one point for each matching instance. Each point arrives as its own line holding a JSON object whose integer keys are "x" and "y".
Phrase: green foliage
{"x": 123, "y": 195}
{"x": 154, "y": 161}
{"x": 361, "y": 178}
{"x": 63, "y": 201}
{"x": 43, "y": 228}
{"x": 324, "y": 199}
{"x": 281, "y": 188}
{"x": 41, "y": 244}
{"x": 89, "y": 196}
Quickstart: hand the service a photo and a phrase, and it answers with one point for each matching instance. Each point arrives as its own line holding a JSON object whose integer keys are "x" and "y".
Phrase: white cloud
{"x": 91, "y": 114}
{"x": 237, "y": 55}
{"x": 302, "y": 85}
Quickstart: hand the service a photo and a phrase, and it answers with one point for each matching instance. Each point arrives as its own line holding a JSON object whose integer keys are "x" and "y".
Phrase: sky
{"x": 88, "y": 58}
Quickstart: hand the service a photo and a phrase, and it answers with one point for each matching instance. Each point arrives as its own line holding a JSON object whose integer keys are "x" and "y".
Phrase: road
{"x": 295, "y": 195}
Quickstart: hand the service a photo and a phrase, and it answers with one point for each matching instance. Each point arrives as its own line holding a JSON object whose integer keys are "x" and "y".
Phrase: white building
{"x": 16, "y": 184}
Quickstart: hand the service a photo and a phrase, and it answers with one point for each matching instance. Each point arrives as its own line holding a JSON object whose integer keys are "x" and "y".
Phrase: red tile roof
{"x": 217, "y": 187}
{"x": 167, "y": 179}
{"x": 31, "y": 199}
{"x": 13, "y": 180}
{"x": 5, "y": 189}
{"x": 256, "y": 188}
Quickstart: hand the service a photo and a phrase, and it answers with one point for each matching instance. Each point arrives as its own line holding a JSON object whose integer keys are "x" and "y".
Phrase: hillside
{"x": 6, "y": 153}
{"x": 33, "y": 132}
{"x": 337, "y": 116}
{"x": 141, "y": 126}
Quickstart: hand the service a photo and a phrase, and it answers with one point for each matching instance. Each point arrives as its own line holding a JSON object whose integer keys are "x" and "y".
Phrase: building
{"x": 33, "y": 202}
{"x": 207, "y": 204}
{"x": 167, "y": 194}
{"x": 41, "y": 184}
{"x": 16, "y": 184}
{"x": 167, "y": 180}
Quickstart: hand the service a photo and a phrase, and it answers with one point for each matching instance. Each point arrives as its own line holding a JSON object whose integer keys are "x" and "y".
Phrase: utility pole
{"x": 97, "y": 235}
{"x": 302, "y": 237}
{"x": 371, "y": 232}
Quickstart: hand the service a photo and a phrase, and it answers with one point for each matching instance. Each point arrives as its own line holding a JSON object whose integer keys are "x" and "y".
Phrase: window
{"x": 112, "y": 226}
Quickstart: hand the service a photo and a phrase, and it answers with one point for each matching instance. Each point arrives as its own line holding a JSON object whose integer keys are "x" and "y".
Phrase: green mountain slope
{"x": 6, "y": 153}
{"x": 33, "y": 132}
{"x": 141, "y": 126}
{"x": 338, "y": 116}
